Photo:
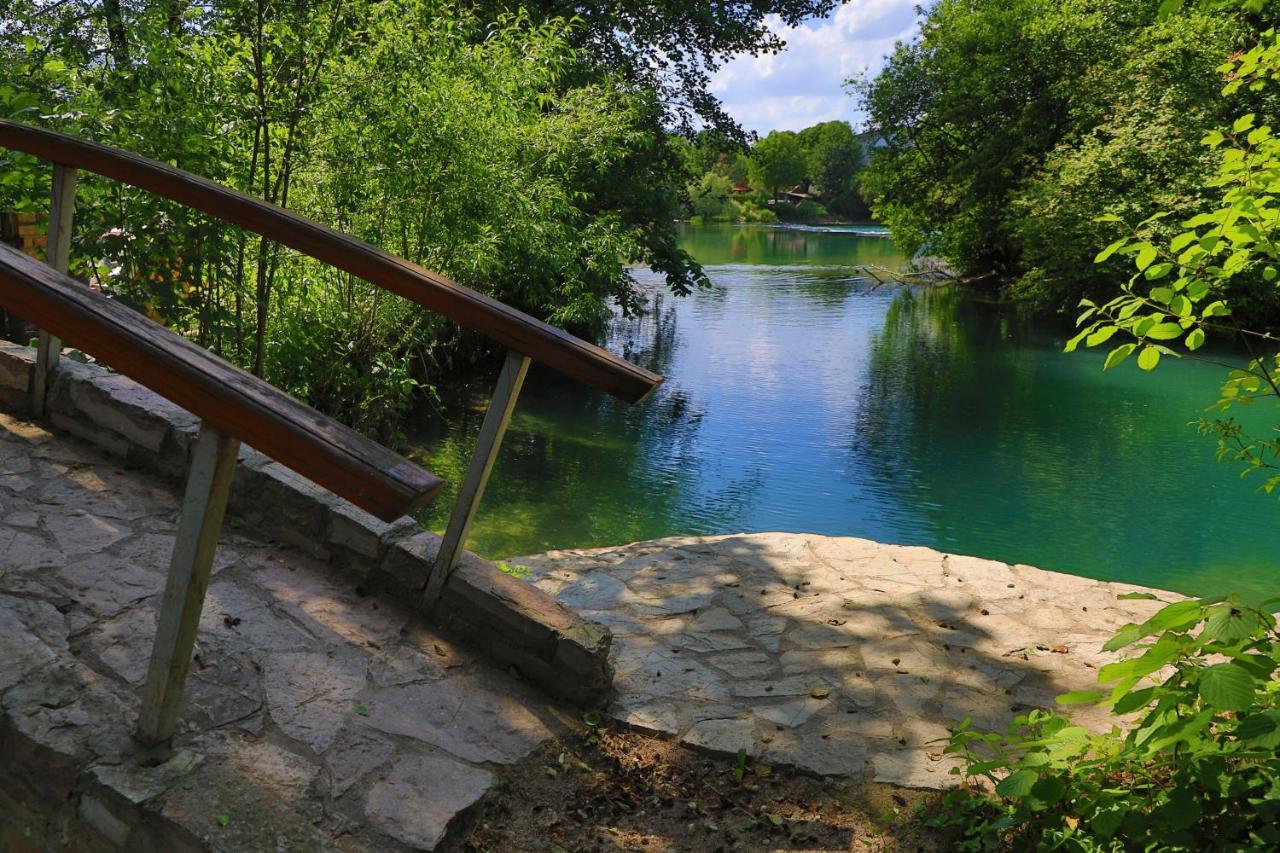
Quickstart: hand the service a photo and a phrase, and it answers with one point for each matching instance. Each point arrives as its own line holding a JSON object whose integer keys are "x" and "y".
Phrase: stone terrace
{"x": 841, "y": 656}
{"x": 314, "y": 716}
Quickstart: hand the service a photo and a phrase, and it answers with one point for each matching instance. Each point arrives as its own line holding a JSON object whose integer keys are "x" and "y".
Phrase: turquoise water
{"x": 800, "y": 398}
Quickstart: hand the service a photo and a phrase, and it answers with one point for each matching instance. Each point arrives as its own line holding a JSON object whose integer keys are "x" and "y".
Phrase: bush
{"x": 1199, "y": 770}
{"x": 711, "y": 198}
{"x": 807, "y": 211}
{"x": 751, "y": 212}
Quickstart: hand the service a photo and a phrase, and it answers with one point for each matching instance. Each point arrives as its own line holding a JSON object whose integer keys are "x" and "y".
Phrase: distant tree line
{"x": 806, "y": 176}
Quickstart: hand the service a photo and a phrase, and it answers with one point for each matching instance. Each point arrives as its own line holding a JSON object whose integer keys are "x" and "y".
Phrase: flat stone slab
{"x": 315, "y": 717}
{"x": 838, "y": 655}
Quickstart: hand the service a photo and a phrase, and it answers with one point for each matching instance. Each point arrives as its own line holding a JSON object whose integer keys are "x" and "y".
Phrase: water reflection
{"x": 800, "y": 398}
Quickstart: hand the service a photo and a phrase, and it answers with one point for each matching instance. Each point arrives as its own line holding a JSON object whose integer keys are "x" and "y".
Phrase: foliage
{"x": 807, "y": 211}
{"x": 834, "y": 157}
{"x": 1143, "y": 154}
{"x": 672, "y": 47}
{"x": 1011, "y": 125}
{"x": 1198, "y": 769}
{"x": 752, "y": 212}
{"x": 493, "y": 149}
{"x": 1187, "y": 276}
{"x": 778, "y": 161}
{"x": 712, "y": 198}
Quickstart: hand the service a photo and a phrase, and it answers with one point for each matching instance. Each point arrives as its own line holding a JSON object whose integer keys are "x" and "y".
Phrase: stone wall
{"x": 512, "y": 621}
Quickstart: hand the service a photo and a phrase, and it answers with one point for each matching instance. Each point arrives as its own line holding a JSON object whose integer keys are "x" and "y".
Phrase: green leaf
{"x": 1106, "y": 821}
{"x": 1134, "y": 700}
{"x": 1195, "y": 339}
{"x": 1137, "y": 596}
{"x": 1229, "y": 623}
{"x": 1079, "y": 697}
{"x": 1075, "y": 342}
{"x": 361, "y": 709}
{"x": 1148, "y": 358}
{"x": 1243, "y": 123}
{"x": 1261, "y": 730}
{"x": 1164, "y": 332}
{"x": 1049, "y": 790}
{"x": 1227, "y": 687}
{"x": 1110, "y": 250}
{"x": 1181, "y": 241}
{"x": 1117, "y": 355}
{"x": 1174, "y": 617}
{"x": 1161, "y": 294}
{"x": 1146, "y": 255}
{"x": 1126, "y": 636}
{"x": 1101, "y": 336}
{"x": 1017, "y": 785}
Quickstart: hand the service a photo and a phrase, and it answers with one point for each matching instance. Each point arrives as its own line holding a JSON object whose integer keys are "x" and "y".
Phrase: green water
{"x": 798, "y": 398}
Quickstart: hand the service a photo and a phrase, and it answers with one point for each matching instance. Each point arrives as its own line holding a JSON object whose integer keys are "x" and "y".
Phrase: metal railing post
{"x": 58, "y": 252}
{"x": 213, "y": 467}
{"x": 494, "y": 427}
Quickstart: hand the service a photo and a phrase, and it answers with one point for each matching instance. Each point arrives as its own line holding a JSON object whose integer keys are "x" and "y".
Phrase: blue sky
{"x": 803, "y": 85}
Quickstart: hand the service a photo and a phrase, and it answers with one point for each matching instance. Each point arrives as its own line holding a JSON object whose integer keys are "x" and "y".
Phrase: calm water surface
{"x": 798, "y": 398}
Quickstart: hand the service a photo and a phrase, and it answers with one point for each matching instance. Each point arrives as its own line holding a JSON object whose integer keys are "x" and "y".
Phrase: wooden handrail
{"x": 222, "y": 395}
{"x": 514, "y": 329}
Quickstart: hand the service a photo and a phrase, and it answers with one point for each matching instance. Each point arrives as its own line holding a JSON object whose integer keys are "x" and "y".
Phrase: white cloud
{"x": 804, "y": 84}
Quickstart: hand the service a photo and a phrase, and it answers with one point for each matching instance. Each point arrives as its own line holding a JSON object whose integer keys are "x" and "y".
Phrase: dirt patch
{"x": 608, "y": 789}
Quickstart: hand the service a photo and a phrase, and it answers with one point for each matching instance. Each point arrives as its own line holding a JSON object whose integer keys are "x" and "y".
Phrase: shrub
{"x": 751, "y": 212}
{"x": 807, "y": 211}
{"x": 711, "y": 198}
{"x": 1198, "y": 770}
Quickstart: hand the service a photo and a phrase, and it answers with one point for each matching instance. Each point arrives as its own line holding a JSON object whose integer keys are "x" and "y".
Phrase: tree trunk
{"x": 116, "y": 33}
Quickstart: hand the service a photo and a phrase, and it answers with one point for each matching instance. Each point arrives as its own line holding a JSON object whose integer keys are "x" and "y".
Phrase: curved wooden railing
{"x": 234, "y": 405}
{"x": 513, "y": 329}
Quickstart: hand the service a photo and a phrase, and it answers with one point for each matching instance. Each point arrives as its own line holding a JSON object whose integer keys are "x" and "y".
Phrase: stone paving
{"x": 313, "y": 716}
{"x": 838, "y": 655}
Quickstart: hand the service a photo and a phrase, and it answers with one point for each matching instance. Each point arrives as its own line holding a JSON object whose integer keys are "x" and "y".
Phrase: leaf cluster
{"x": 1192, "y": 763}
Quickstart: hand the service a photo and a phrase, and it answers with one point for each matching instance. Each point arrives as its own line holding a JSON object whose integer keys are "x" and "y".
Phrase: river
{"x": 799, "y": 398}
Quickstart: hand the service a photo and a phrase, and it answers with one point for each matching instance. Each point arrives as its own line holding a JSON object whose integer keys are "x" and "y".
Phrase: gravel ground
{"x": 604, "y": 788}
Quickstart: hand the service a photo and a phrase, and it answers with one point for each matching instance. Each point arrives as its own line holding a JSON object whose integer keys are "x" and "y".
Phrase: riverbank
{"x": 839, "y": 656}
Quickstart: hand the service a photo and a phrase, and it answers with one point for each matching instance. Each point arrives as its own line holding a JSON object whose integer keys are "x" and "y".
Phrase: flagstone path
{"x": 842, "y": 656}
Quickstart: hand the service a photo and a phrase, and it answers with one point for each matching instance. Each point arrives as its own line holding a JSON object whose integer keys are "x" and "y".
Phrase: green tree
{"x": 673, "y": 46}
{"x": 834, "y": 158}
{"x": 712, "y": 197}
{"x": 777, "y": 161}
{"x": 1010, "y": 125}
{"x": 490, "y": 149}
